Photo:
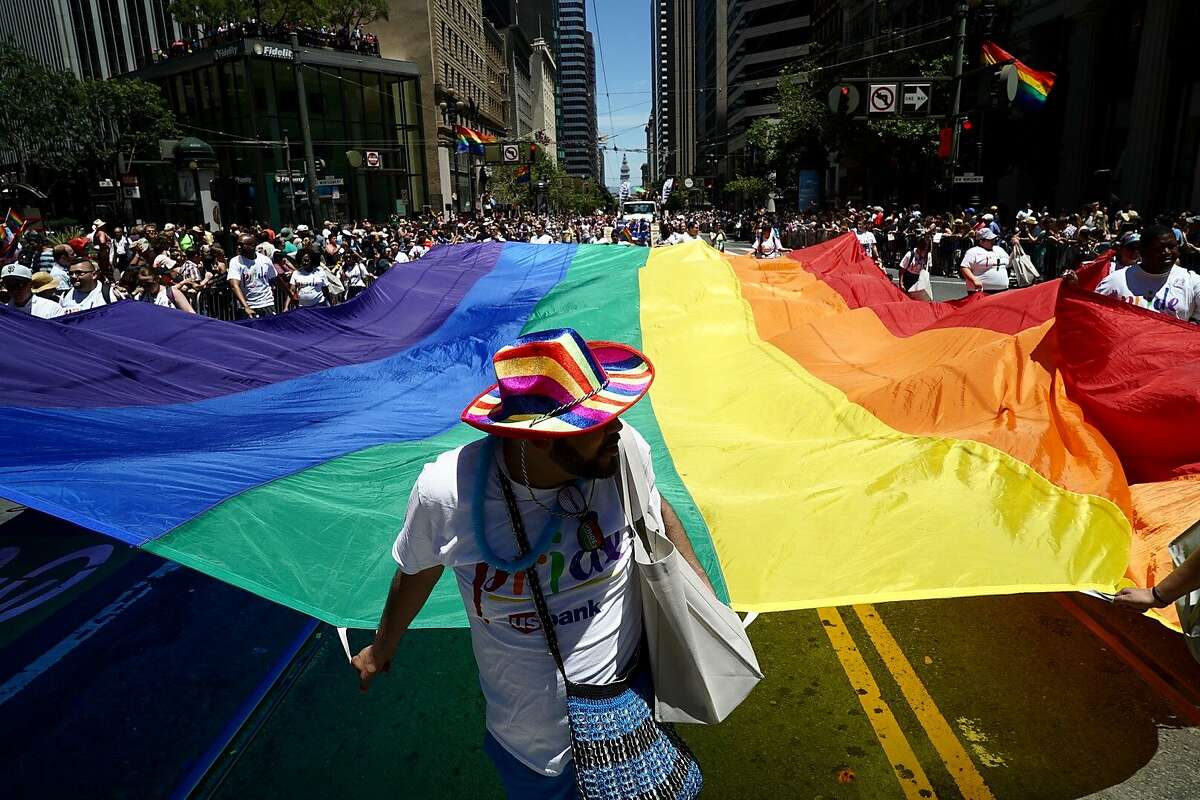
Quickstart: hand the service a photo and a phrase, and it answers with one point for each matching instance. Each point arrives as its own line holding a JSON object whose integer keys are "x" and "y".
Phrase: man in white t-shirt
{"x": 555, "y": 472}
{"x": 1158, "y": 282}
{"x": 540, "y": 236}
{"x": 18, "y": 282}
{"x": 251, "y": 277}
{"x": 985, "y": 266}
{"x": 87, "y": 291}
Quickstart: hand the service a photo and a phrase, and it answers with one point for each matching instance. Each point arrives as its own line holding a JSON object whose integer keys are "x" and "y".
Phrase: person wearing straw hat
{"x": 530, "y": 519}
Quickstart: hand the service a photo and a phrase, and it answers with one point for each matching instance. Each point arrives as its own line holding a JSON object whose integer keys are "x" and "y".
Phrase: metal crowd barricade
{"x": 216, "y": 301}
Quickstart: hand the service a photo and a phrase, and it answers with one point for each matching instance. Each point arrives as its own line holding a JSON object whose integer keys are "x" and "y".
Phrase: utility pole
{"x": 310, "y": 159}
{"x": 287, "y": 165}
{"x": 960, "y": 48}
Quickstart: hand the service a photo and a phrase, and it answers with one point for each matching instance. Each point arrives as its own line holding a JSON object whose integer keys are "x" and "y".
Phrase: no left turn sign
{"x": 881, "y": 98}
{"x": 510, "y": 154}
{"x": 372, "y": 159}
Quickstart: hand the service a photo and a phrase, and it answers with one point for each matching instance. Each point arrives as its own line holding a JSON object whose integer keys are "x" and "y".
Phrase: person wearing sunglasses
{"x": 87, "y": 290}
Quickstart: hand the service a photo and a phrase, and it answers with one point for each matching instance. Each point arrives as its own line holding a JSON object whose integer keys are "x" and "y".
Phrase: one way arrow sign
{"x": 915, "y": 99}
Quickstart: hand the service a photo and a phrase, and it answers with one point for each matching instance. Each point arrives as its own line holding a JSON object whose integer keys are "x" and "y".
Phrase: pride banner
{"x": 824, "y": 439}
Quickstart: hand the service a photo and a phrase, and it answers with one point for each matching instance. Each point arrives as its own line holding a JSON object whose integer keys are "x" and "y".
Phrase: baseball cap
{"x": 1130, "y": 239}
{"x": 988, "y": 217}
{"x": 987, "y": 233}
{"x": 16, "y": 271}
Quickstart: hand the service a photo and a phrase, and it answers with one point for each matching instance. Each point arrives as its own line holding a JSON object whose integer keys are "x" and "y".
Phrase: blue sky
{"x": 622, "y": 35}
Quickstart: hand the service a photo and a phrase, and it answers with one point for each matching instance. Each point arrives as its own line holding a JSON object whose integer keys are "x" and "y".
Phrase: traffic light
{"x": 843, "y": 99}
{"x": 968, "y": 125}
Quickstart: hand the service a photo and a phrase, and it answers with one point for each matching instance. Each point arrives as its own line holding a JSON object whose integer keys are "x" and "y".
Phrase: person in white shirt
{"x": 767, "y": 244}
{"x": 540, "y": 236}
{"x": 87, "y": 291}
{"x": 533, "y": 528}
{"x": 1158, "y": 283}
{"x": 692, "y": 234}
{"x": 251, "y": 276}
{"x": 356, "y": 276}
{"x": 866, "y": 240}
{"x": 18, "y": 282}
{"x": 308, "y": 283}
{"x": 985, "y": 266}
{"x": 915, "y": 262}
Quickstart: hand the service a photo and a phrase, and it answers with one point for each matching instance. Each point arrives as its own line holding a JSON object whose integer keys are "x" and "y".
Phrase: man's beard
{"x": 600, "y": 466}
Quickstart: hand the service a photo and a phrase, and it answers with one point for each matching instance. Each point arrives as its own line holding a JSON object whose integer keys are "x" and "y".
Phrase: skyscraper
{"x": 764, "y": 36}
{"x": 673, "y": 62}
{"x": 91, "y": 38}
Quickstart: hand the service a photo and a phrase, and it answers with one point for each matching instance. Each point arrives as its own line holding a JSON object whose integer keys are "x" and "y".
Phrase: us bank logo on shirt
{"x": 528, "y": 622}
{"x": 568, "y": 570}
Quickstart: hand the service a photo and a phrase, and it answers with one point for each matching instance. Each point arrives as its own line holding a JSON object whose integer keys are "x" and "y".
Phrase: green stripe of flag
{"x": 320, "y": 540}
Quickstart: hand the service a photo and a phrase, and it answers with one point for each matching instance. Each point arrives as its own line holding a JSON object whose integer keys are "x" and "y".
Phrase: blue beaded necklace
{"x": 487, "y": 459}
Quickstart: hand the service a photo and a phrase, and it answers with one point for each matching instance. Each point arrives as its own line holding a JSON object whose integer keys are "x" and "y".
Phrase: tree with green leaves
{"x": 61, "y": 127}
{"x": 750, "y": 187}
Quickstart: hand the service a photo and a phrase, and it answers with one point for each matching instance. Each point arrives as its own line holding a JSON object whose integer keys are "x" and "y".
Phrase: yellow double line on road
{"x": 909, "y": 772}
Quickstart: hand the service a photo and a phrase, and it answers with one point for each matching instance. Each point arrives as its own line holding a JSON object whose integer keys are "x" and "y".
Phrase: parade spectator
{"x": 63, "y": 255}
{"x": 88, "y": 290}
{"x": 150, "y": 289}
{"x": 541, "y": 237}
{"x": 251, "y": 276}
{"x": 307, "y": 281}
{"x": 1182, "y": 581}
{"x": 18, "y": 283}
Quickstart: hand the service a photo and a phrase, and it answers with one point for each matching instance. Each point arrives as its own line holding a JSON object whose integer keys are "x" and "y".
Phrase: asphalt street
{"x": 996, "y": 697}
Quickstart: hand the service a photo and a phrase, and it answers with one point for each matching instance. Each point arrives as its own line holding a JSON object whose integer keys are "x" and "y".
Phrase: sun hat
{"x": 553, "y": 383}
{"x": 43, "y": 282}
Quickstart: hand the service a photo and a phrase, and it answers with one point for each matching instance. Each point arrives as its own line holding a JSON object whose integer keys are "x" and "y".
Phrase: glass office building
{"x": 241, "y": 98}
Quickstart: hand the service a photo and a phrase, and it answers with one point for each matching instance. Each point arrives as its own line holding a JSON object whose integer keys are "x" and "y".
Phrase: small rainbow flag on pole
{"x": 1033, "y": 85}
{"x": 470, "y": 140}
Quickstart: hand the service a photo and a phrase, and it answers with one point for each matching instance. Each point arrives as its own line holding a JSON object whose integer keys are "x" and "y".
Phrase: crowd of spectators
{"x": 254, "y": 270}
{"x": 354, "y": 39}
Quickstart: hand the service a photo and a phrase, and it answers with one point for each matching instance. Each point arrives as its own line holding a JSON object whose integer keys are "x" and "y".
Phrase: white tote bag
{"x": 1022, "y": 265}
{"x": 701, "y": 658}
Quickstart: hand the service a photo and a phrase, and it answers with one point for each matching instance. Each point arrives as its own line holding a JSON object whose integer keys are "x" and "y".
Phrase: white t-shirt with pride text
{"x": 594, "y": 596}
{"x": 256, "y": 276}
{"x": 310, "y": 287}
{"x": 1175, "y": 292}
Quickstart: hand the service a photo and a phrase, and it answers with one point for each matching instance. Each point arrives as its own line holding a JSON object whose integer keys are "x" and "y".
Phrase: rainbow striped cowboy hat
{"x": 553, "y": 383}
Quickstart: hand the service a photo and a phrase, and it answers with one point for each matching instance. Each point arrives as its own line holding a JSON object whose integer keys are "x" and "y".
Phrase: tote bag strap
{"x": 531, "y": 576}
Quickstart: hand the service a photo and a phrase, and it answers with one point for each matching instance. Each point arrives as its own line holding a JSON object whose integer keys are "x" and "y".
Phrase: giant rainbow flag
{"x": 825, "y": 439}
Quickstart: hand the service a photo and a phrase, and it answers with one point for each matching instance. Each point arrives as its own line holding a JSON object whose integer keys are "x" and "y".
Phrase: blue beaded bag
{"x": 620, "y": 750}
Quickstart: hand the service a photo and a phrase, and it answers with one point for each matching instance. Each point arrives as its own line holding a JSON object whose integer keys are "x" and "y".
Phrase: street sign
{"x": 372, "y": 159}
{"x": 510, "y": 153}
{"x": 968, "y": 178}
{"x": 916, "y": 98}
{"x": 882, "y": 98}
